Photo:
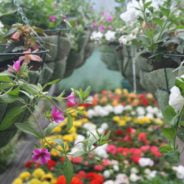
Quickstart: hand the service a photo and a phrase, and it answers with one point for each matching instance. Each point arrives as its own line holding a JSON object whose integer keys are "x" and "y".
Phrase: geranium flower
{"x": 71, "y": 100}
{"x": 15, "y": 67}
{"x": 62, "y": 180}
{"x": 57, "y": 115}
{"x": 41, "y": 155}
{"x": 29, "y": 56}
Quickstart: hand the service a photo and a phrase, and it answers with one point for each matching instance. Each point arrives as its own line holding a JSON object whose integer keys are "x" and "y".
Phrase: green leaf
{"x": 68, "y": 170}
{"x": 169, "y": 114}
{"x": 11, "y": 116}
{"x": 166, "y": 149}
{"x": 29, "y": 129}
{"x": 14, "y": 92}
{"x": 51, "y": 83}
{"x": 69, "y": 123}
{"x": 5, "y": 98}
{"x": 5, "y": 77}
{"x": 169, "y": 133}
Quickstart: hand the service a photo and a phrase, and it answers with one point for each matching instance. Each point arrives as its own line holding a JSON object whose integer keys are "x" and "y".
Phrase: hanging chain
{"x": 26, "y": 21}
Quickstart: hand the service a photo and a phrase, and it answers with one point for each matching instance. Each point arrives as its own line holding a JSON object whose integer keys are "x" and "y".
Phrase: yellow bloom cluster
{"x": 122, "y": 121}
{"x": 37, "y": 177}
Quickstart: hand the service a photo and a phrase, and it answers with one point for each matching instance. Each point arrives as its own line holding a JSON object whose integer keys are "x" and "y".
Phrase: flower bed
{"x": 132, "y": 155}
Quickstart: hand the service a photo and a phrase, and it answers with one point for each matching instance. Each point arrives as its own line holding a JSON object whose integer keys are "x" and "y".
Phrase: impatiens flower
{"x": 101, "y": 28}
{"x": 144, "y": 162}
{"x": 179, "y": 171}
{"x": 41, "y": 155}
{"x": 62, "y": 180}
{"x": 96, "y": 36}
{"x": 111, "y": 149}
{"x": 30, "y": 56}
{"x": 71, "y": 100}
{"x": 176, "y": 100}
{"x": 57, "y": 115}
{"x": 98, "y": 167}
{"x": 15, "y": 67}
{"x": 52, "y": 18}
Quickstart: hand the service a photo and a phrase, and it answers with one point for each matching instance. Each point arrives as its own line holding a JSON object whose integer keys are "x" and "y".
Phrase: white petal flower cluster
{"x": 150, "y": 174}
{"x": 144, "y": 162}
{"x": 176, "y": 100}
{"x": 110, "y": 36}
{"x": 96, "y": 36}
{"x": 101, "y": 151}
{"x": 179, "y": 171}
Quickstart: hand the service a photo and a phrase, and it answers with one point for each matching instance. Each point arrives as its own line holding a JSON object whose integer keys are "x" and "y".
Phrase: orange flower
{"x": 62, "y": 180}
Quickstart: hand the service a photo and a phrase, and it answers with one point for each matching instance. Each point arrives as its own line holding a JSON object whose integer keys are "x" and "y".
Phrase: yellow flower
{"x": 118, "y": 91}
{"x": 35, "y": 181}
{"x": 122, "y": 123}
{"x": 72, "y": 130}
{"x": 45, "y": 182}
{"x": 17, "y": 181}
{"x": 116, "y": 118}
{"x": 38, "y": 173}
{"x": 57, "y": 129}
{"x": 25, "y": 175}
{"x": 143, "y": 120}
{"x": 77, "y": 123}
{"x": 158, "y": 121}
{"x": 54, "y": 181}
{"x": 68, "y": 138}
{"x": 48, "y": 177}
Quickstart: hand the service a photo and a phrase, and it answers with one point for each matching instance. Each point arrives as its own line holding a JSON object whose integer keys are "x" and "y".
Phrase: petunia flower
{"x": 71, "y": 100}
{"x": 28, "y": 57}
{"x": 41, "y": 155}
{"x": 15, "y": 67}
{"x": 57, "y": 115}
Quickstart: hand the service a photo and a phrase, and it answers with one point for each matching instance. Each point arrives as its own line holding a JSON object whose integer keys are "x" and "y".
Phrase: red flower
{"x": 111, "y": 149}
{"x": 62, "y": 180}
{"x": 77, "y": 160}
{"x": 130, "y": 130}
{"x": 86, "y": 105}
{"x": 29, "y": 164}
{"x": 135, "y": 159}
{"x": 51, "y": 164}
{"x": 145, "y": 148}
{"x": 142, "y": 137}
{"x": 127, "y": 138}
{"x": 98, "y": 167}
{"x": 155, "y": 151}
{"x": 95, "y": 178}
{"x": 119, "y": 132}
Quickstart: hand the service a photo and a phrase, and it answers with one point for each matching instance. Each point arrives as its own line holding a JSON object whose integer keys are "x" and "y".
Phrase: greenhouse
{"x": 91, "y": 91}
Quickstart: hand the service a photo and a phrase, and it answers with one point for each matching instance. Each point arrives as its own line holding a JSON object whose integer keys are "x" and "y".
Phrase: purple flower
{"x": 57, "y": 115}
{"x": 15, "y": 67}
{"x": 41, "y": 155}
{"x": 101, "y": 28}
{"x": 52, "y": 18}
{"x": 109, "y": 18}
{"x": 71, "y": 100}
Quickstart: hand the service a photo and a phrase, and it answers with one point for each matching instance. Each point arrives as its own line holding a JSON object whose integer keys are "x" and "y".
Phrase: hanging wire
{"x": 26, "y": 21}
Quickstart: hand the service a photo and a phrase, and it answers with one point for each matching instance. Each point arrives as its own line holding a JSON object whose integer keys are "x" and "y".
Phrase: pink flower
{"x": 52, "y": 18}
{"x": 15, "y": 67}
{"x": 71, "y": 100}
{"x": 101, "y": 28}
{"x": 155, "y": 151}
{"x": 16, "y": 36}
{"x": 41, "y": 155}
{"x": 57, "y": 115}
{"x": 99, "y": 167}
{"x": 109, "y": 18}
{"x": 111, "y": 149}
{"x": 145, "y": 148}
{"x": 106, "y": 162}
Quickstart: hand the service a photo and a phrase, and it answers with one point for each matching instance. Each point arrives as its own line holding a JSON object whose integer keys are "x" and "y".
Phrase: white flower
{"x": 107, "y": 173}
{"x": 134, "y": 178}
{"x": 96, "y": 36}
{"x": 108, "y": 108}
{"x": 101, "y": 151}
{"x": 176, "y": 100}
{"x": 90, "y": 113}
{"x": 131, "y": 13}
{"x": 140, "y": 111}
{"x": 118, "y": 109}
{"x": 116, "y": 167}
{"x": 179, "y": 171}
{"x": 149, "y": 115}
{"x": 110, "y": 36}
{"x": 1, "y": 25}
{"x": 90, "y": 126}
{"x": 109, "y": 182}
{"x": 134, "y": 170}
{"x": 105, "y": 126}
{"x": 122, "y": 179}
{"x": 143, "y": 162}
{"x": 150, "y": 174}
